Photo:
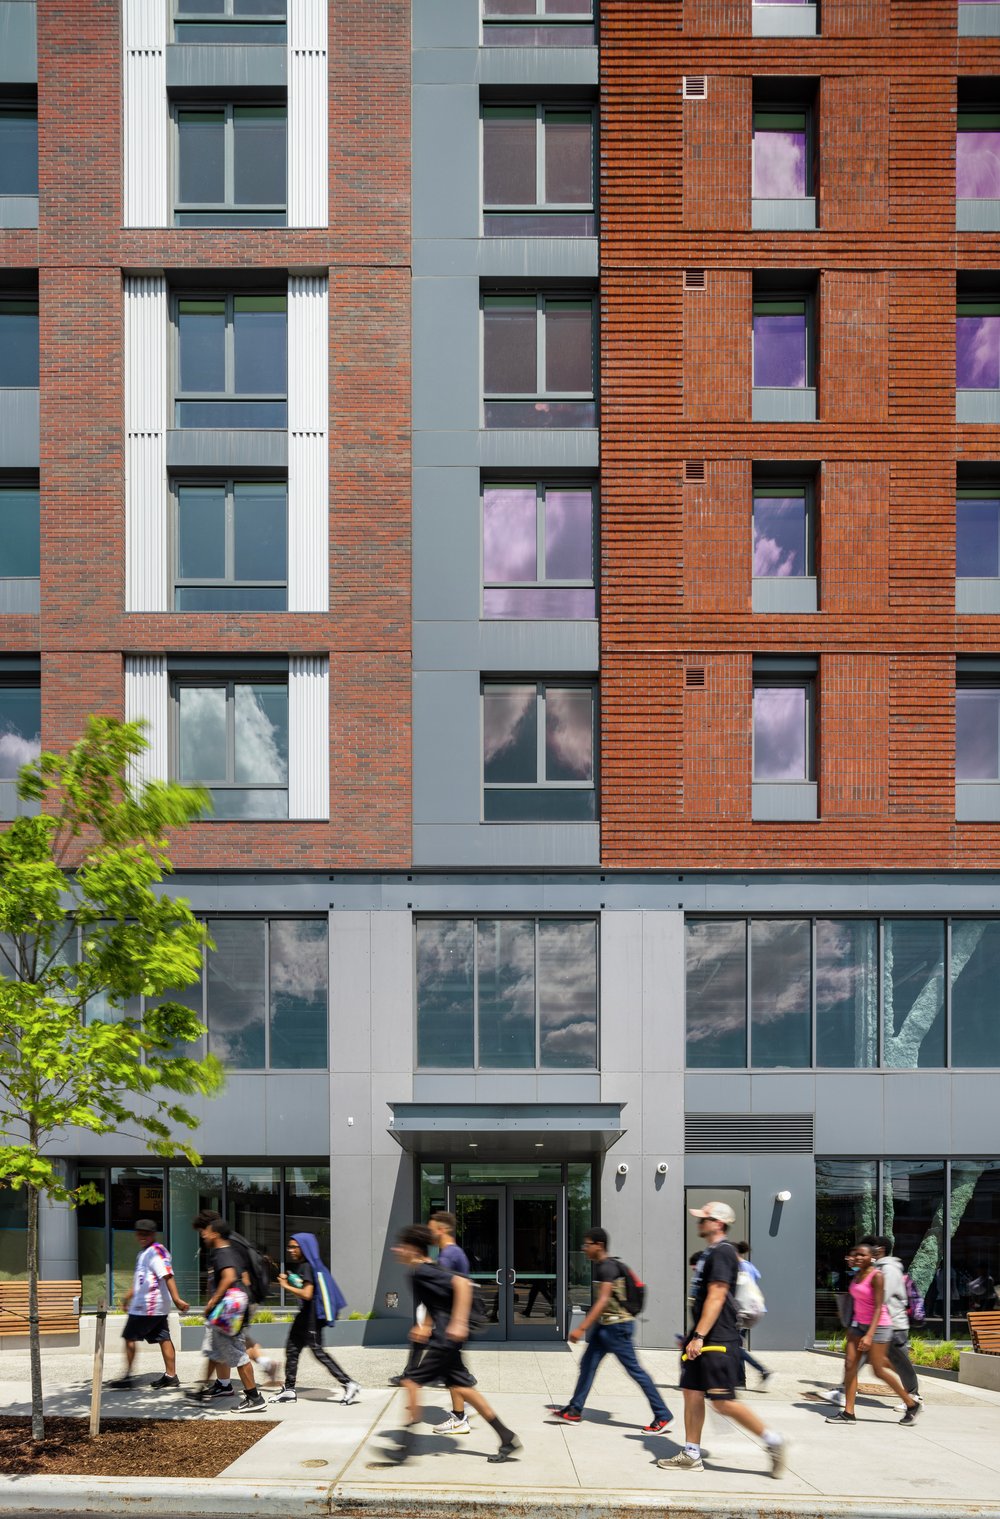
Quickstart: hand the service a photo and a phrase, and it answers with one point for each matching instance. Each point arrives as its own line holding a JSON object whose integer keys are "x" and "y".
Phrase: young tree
{"x": 90, "y": 953}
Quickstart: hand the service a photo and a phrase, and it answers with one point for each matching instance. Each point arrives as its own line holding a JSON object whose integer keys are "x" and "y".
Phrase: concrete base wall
{"x": 979, "y": 1370}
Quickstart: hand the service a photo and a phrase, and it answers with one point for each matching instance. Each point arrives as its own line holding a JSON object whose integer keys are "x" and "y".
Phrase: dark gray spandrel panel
{"x": 539, "y": 67}
{"x": 446, "y": 382}
{"x": 19, "y": 436}
{"x": 224, "y": 66}
{"x": 18, "y": 46}
{"x": 226, "y": 448}
{"x": 445, "y": 149}
{"x": 446, "y": 567}
{"x": 520, "y": 845}
{"x": 849, "y": 1114}
{"x": 447, "y": 758}
{"x": 510, "y": 645}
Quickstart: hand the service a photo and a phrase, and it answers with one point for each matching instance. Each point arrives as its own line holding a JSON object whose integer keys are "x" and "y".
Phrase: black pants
{"x": 900, "y": 1361}
{"x": 414, "y": 1358}
{"x": 299, "y": 1337}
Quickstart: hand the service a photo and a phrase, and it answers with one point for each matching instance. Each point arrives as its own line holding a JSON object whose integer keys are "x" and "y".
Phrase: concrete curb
{"x": 178, "y": 1496}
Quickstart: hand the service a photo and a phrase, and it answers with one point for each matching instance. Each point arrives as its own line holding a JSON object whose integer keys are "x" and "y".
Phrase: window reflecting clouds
{"x": 536, "y": 540}
{"x": 780, "y": 355}
{"x": 977, "y": 536}
{"x": 716, "y": 977}
{"x": 510, "y": 744}
{"x": 847, "y": 992}
{"x": 445, "y": 949}
{"x": 779, "y": 162}
{"x": 569, "y": 734}
{"x": 780, "y": 738}
{"x": 510, "y": 542}
{"x": 977, "y": 733}
{"x": 506, "y": 982}
{"x": 20, "y": 728}
{"x": 781, "y": 992}
{"x": 977, "y": 348}
{"x": 977, "y": 161}
{"x": 780, "y": 545}
{"x": 567, "y": 993}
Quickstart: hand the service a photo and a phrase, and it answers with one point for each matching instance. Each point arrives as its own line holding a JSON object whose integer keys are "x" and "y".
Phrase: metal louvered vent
{"x": 695, "y": 87}
{"x": 694, "y": 471}
{"x": 694, "y": 676}
{"x": 749, "y": 1133}
{"x": 695, "y": 279}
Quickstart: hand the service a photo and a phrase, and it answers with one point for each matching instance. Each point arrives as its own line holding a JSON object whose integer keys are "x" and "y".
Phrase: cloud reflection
{"x": 779, "y": 164}
{"x": 779, "y": 733}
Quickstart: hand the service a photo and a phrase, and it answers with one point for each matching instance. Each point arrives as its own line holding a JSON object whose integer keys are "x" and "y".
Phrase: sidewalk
{"x": 327, "y": 1459}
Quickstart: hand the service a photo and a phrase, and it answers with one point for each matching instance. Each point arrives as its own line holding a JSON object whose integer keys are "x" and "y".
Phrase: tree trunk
{"x": 34, "y": 1338}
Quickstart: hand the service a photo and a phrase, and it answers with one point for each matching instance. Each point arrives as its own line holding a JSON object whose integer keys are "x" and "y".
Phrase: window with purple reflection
{"x": 781, "y": 730}
{"x": 977, "y": 733}
{"x": 977, "y": 534}
{"x": 781, "y": 344}
{"x": 780, "y": 155}
{"x": 977, "y": 345}
{"x": 781, "y": 536}
{"x": 538, "y": 551}
{"x": 538, "y": 752}
{"x": 538, "y": 346}
{"x": 538, "y": 23}
{"x": 569, "y": 734}
{"x": 977, "y": 155}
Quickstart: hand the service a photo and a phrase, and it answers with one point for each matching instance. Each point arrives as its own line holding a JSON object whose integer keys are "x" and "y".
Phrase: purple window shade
{"x": 509, "y": 8}
{"x": 538, "y": 36}
{"x": 566, "y": 8}
{"x": 542, "y": 603}
{"x": 509, "y": 533}
{"x": 554, "y": 414}
{"x": 977, "y": 352}
{"x": 569, "y": 734}
{"x": 569, "y": 535}
{"x": 779, "y": 536}
{"x": 510, "y": 727}
{"x": 977, "y": 538}
{"x": 569, "y": 360}
{"x": 779, "y": 164}
{"x": 977, "y": 164}
{"x": 779, "y": 733}
{"x": 510, "y": 348}
{"x": 977, "y": 734}
{"x": 568, "y": 160}
{"x": 509, "y": 171}
{"x": 539, "y": 224}
{"x": 779, "y": 350}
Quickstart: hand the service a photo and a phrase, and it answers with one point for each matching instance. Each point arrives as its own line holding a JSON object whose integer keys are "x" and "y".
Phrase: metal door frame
{"x": 557, "y": 1329}
{"x": 497, "y": 1190}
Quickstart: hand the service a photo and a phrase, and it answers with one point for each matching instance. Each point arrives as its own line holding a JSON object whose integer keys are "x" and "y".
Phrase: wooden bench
{"x": 58, "y": 1308}
{"x": 985, "y": 1330}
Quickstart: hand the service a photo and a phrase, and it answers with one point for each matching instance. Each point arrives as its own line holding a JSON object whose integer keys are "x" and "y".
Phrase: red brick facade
{"x": 80, "y": 251}
{"x": 675, "y": 180}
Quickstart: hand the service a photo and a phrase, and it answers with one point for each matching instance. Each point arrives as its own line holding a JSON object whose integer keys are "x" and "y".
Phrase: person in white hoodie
{"x": 895, "y": 1300}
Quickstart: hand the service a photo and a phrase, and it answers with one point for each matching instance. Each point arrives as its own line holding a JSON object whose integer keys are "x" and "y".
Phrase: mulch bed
{"x": 126, "y": 1447}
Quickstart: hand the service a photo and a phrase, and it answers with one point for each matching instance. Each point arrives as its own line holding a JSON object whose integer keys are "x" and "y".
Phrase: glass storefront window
{"x": 136, "y": 1192}
{"x": 847, "y": 992}
{"x": 580, "y": 1216}
{"x": 191, "y": 1189}
{"x": 13, "y": 1234}
{"x": 975, "y": 1239}
{"x": 307, "y": 1207}
{"x": 92, "y": 1239}
{"x": 780, "y": 992}
{"x": 975, "y": 975}
{"x": 433, "y": 1192}
{"x": 913, "y": 993}
{"x": 846, "y": 1210}
{"x": 253, "y": 1206}
{"x": 913, "y": 1213}
{"x": 716, "y": 954}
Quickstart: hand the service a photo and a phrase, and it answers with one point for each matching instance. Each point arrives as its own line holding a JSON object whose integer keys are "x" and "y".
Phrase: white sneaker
{"x": 455, "y": 1424}
{"x": 837, "y": 1396}
{"x": 268, "y": 1369}
{"x": 286, "y": 1395}
{"x": 352, "y": 1393}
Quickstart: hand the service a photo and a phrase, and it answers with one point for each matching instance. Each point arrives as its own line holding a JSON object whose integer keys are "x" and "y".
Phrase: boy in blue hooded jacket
{"x": 320, "y": 1300}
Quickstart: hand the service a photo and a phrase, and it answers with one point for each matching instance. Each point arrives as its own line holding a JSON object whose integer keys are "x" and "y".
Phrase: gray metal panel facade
{"x": 783, "y": 215}
{"x": 20, "y": 595}
{"x": 784, "y": 20}
{"x": 222, "y": 66}
{"x": 18, "y": 211}
{"x": 772, "y": 404}
{"x": 785, "y": 801}
{"x": 977, "y": 801}
{"x": 19, "y": 436}
{"x": 979, "y": 405}
{"x": 222, "y": 448}
{"x": 978, "y": 594}
{"x": 978, "y": 20}
{"x": 785, "y": 593}
{"x": 18, "y": 45}
{"x": 977, "y": 215}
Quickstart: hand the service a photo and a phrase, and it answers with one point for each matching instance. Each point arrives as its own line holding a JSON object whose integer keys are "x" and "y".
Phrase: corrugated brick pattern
{"x": 717, "y": 539}
{"x": 853, "y": 541}
{"x": 853, "y": 692}
{"x": 716, "y": 18}
{"x": 853, "y": 131}
{"x": 855, "y": 18}
{"x": 717, "y": 730}
{"x": 853, "y": 332}
{"x": 717, "y": 151}
{"x": 717, "y": 323}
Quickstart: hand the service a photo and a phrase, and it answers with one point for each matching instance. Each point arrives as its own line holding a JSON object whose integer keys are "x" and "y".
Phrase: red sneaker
{"x": 567, "y": 1415}
{"x": 658, "y": 1427}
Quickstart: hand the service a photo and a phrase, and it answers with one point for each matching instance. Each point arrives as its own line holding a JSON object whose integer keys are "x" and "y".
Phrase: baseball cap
{"x": 146, "y": 1226}
{"x": 721, "y": 1212}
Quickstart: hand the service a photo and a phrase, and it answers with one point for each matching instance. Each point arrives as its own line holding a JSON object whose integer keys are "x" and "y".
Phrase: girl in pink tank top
{"x": 869, "y": 1335}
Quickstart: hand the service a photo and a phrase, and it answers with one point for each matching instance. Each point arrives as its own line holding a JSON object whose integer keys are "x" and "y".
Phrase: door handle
{"x": 513, "y": 1277}
{"x": 499, "y": 1282}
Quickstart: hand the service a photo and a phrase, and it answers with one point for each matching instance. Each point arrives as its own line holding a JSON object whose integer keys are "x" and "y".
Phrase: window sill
{"x": 978, "y": 20}
{"x": 785, "y": 593}
{"x": 977, "y": 594}
{"x": 977, "y": 215}
{"x": 784, "y": 215}
{"x": 776, "y": 404}
{"x": 18, "y": 211}
{"x": 785, "y": 802}
{"x": 784, "y": 21}
{"x": 20, "y": 595}
{"x": 977, "y": 801}
{"x": 978, "y": 406}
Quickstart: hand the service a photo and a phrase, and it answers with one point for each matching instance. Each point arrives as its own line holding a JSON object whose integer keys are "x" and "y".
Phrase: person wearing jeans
{"x": 610, "y": 1329}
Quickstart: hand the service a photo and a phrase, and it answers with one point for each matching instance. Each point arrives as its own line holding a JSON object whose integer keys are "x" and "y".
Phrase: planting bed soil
{"x": 126, "y": 1447}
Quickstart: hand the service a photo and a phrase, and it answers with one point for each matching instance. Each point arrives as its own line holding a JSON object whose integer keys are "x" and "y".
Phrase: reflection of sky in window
{"x": 509, "y": 542}
{"x": 977, "y": 352}
{"x": 779, "y": 164}
{"x": 779, "y": 535}
{"x": 568, "y": 535}
{"x": 20, "y": 728}
{"x": 779, "y": 733}
{"x": 977, "y": 538}
{"x": 262, "y": 734}
{"x": 510, "y": 752}
{"x": 977, "y": 164}
{"x": 567, "y": 993}
{"x": 779, "y": 349}
{"x": 569, "y": 358}
{"x": 977, "y": 734}
{"x": 509, "y": 168}
{"x": 716, "y": 977}
{"x": 569, "y": 734}
{"x": 202, "y": 733}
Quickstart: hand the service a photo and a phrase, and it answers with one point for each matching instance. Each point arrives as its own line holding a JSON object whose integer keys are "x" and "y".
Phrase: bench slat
{"x": 56, "y": 1310}
{"x": 985, "y": 1330}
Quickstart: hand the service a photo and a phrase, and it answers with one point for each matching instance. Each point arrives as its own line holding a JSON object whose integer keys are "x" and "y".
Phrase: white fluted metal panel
{"x": 308, "y": 736}
{"x": 145, "y": 443}
{"x": 145, "y": 114}
{"x": 147, "y": 695}
{"x": 308, "y": 444}
{"x": 308, "y": 115}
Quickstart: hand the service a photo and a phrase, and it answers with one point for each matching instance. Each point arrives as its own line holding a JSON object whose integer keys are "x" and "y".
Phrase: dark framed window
{"x": 784, "y": 529}
{"x": 506, "y": 993}
{"x": 232, "y": 361}
{"x": 539, "y": 361}
{"x": 539, "y": 746}
{"x": 231, "y": 736}
{"x": 538, "y": 550}
{"x": 538, "y": 23}
{"x": 20, "y": 539}
{"x": 538, "y": 171}
{"x": 232, "y": 21}
{"x": 783, "y": 342}
{"x": 977, "y": 155}
{"x": 20, "y": 721}
{"x": 784, "y": 728}
{"x": 782, "y": 152}
{"x": 231, "y": 165}
{"x": 18, "y": 342}
{"x": 230, "y": 545}
{"x": 977, "y": 532}
{"x": 977, "y": 729}
{"x": 18, "y": 150}
{"x": 977, "y": 345}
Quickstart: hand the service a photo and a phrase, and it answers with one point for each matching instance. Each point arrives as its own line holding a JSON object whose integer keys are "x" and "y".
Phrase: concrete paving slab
{"x": 321, "y": 1448}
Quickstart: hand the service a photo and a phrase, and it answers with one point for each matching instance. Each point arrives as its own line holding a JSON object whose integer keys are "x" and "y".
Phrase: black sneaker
{"x": 166, "y": 1381}
{"x": 910, "y": 1416}
{"x": 842, "y": 1418}
{"x": 250, "y": 1403}
{"x": 505, "y": 1452}
{"x": 220, "y": 1390}
{"x": 121, "y": 1382}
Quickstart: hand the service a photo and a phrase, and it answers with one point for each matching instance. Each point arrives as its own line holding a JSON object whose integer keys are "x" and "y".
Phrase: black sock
{"x": 506, "y": 1435}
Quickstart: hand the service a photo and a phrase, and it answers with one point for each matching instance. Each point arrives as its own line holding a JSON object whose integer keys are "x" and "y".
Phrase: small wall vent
{"x": 749, "y": 1133}
{"x": 694, "y": 677}
{"x": 695, "y": 87}
{"x": 695, "y": 279}
{"x": 694, "y": 471}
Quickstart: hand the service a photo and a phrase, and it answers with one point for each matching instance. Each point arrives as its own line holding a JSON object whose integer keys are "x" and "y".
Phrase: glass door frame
{"x": 556, "y": 1330}
{"x": 497, "y": 1191}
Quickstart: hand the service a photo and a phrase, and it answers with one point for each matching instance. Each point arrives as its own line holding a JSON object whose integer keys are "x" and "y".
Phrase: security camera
{"x": 623, "y": 1168}
{"x": 662, "y": 1168}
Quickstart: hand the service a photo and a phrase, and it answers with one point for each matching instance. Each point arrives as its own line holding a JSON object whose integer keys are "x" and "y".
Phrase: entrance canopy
{"x": 563, "y": 1130}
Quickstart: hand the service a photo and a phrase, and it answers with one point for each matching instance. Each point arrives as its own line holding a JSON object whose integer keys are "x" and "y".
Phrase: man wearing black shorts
{"x": 447, "y": 1298}
{"x": 712, "y": 1361}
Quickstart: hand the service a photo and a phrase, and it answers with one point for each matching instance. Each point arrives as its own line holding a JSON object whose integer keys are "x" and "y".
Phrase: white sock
{"x": 771, "y": 1439}
{"x": 692, "y": 1450}
{"x": 226, "y": 1382}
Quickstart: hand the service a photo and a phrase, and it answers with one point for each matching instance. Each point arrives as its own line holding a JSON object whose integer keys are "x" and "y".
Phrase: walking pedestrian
{"x": 447, "y": 1297}
{"x": 897, "y": 1303}
{"x": 147, "y": 1305}
{"x": 217, "y": 1382}
{"x": 712, "y": 1360}
{"x": 442, "y": 1226}
{"x": 747, "y": 1265}
{"x": 226, "y": 1309}
{"x": 320, "y": 1300}
{"x": 870, "y": 1334}
{"x": 610, "y": 1330}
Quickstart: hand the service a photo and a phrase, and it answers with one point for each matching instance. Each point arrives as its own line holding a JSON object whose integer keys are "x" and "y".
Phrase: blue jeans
{"x": 616, "y": 1340}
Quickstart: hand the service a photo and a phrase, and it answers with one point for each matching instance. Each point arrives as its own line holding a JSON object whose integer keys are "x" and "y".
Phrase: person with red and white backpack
{"x": 148, "y": 1303}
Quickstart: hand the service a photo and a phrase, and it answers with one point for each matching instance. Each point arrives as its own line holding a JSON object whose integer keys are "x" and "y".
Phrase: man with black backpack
{"x": 610, "y": 1327}
{"x": 255, "y": 1275}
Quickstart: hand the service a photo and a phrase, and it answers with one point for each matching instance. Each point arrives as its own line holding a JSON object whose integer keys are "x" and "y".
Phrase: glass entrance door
{"x": 481, "y": 1230}
{"x": 514, "y": 1238}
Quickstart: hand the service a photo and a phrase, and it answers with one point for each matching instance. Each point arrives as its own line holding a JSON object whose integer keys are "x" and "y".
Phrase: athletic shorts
{"x": 227, "y": 1349}
{"x": 150, "y": 1328}
{"x": 882, "y": 1336}
{"x": 716, "y": 1372}
{"x": 442, "y": 1363}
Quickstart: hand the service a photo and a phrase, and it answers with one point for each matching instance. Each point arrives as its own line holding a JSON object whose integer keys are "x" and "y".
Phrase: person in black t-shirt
{"x": 229, "y": 1275}
{"x": 300, "y": 1281}
{"x": 711, "y": 1360}
{"x": 447, "y": 1298}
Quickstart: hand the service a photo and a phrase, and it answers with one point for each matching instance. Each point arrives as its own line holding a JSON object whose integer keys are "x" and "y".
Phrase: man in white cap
{"x": 711, "y": 1362}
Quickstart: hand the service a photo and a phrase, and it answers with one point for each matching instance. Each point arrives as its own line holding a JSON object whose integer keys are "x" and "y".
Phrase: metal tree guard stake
{"x": 98, "y": 1380}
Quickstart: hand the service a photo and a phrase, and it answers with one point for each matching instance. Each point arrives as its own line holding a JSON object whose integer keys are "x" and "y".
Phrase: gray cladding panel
{"x": 850, "y": 1113}
{"x": 977, "y": 801}
{"x": 785, "y": 593}
{"x": 11, "y": 805}
{"x": 446, "y": 379}
{"x": 447, "y": 758}
{"x": 978, "y": 406}
{"x": 18, "y": 46}
{"x": 917, "y": 1108}
{"x": 973, "y": 1114}
{"x": 20, "y": 595}
{"x": 446, "y": 161}
{"x": 979, "y": 594}
{"x": 784, "y": 215}
{"x": 446, "y": 546}
{"x": 773, "y": 404}
{"x": 18, "y": 211}
{"x": 541, "y": 258}
{"x": 445, "y": 24}
{"x": 224, "y": 66}
{"x": 978, "y": 20}
{"x": 784, "y": 801}
{"x": 717, "y": 1092}
{"x": 784, "y": 20}
{"x": 977, "y": 215}
{"x": 538, "y": 448}
{"x": 226, "y": 448}
{"x": 297, "y": 1113}
{"x": 19, "y": 429}
{"x": 508, "y": 645}
{"x": 498, "y": 845}
{"x": 539, "y": 67}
